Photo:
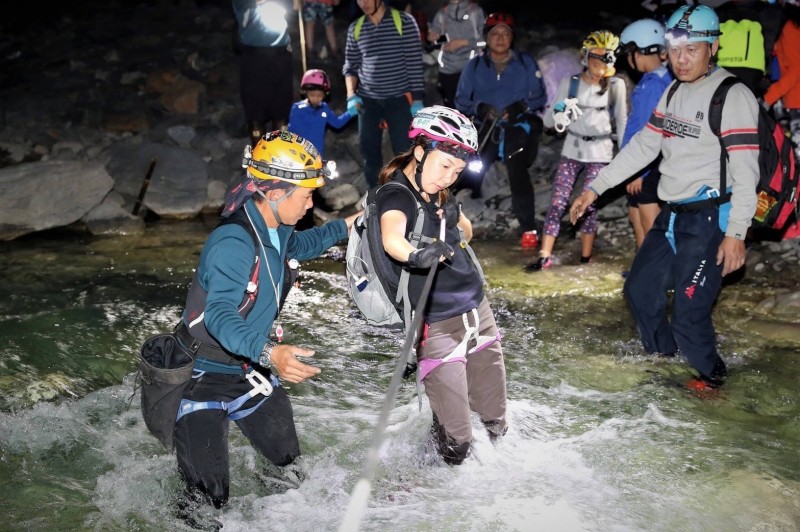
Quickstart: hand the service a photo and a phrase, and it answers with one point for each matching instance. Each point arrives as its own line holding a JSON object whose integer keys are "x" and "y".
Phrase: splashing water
{"x": 601, "y": 437}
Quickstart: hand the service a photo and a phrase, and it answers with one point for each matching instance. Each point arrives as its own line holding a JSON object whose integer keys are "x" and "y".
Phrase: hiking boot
{"x": 586, "y": 260}
{"x": 542, "y": 263}
{"x": 198, "y": 511}
{"x": 703, "y": 387}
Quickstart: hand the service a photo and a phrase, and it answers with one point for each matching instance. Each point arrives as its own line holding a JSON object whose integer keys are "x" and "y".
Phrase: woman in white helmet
{"x": 460, "y": 356}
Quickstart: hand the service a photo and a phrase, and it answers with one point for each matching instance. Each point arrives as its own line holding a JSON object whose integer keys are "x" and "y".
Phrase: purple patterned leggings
{"x": 567, "y": 174}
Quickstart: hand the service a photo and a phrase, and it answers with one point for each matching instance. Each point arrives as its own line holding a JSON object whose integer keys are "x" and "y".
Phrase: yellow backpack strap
{"x": 398, "y": 23}
{"x": 357, "y": 29}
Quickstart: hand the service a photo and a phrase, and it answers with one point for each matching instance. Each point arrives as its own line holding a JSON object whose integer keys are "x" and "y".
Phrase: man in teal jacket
{"x": 232, "y": 305}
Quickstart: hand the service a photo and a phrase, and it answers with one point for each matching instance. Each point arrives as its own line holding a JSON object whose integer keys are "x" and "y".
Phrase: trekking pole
{"x": 143, "y": 190}
{"x": 302, "y": 26}
{"x": 361, "y": 491}
{"x": 488, "y": 133}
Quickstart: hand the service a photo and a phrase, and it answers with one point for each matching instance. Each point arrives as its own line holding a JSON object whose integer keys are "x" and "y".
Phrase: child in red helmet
{"x": 310, "y": 116}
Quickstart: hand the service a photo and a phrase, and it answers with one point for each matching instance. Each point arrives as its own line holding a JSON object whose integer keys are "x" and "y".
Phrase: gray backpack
{"x": 379, "y": 293}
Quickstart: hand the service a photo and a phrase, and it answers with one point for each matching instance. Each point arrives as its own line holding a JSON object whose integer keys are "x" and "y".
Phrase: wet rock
{"x": 42, "y": 195}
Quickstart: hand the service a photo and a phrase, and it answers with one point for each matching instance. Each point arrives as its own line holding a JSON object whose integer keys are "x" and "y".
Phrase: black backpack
{"x": 778, "y": 170}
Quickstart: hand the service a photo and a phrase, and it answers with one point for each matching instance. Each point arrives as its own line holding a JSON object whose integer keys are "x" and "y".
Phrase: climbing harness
{"x": 460, "y": 353}
{"x": 261, "y": 385}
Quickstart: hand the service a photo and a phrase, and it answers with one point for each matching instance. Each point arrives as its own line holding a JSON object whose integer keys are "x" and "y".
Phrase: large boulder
{"x": 178, "y": 186}
{"x": 43, "y": 195}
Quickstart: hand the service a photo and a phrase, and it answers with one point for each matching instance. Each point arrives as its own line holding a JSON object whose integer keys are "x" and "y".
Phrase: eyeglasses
{"x": 608, "y": 57}
{"x": 678, "y": 35}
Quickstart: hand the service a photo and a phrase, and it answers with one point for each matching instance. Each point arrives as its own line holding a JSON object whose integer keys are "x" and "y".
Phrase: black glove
{"x": 451, "y": 213}
{"x": 485, "y": 112}
{"x": 516, "y": 109}
{"x": 426, "y": 257}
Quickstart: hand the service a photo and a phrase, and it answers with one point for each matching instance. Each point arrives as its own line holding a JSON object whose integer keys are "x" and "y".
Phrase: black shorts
{"x": 649, "y": 192}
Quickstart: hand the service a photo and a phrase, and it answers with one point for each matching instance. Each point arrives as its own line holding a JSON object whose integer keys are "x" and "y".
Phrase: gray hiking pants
{"x": 457, "y": 386}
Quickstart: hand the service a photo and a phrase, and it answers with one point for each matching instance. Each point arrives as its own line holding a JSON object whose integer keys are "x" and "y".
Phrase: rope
{"x": 361, "y": 491}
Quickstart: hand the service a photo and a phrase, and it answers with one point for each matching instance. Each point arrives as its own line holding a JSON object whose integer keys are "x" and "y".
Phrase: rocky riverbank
{"x": 97, "y": 97}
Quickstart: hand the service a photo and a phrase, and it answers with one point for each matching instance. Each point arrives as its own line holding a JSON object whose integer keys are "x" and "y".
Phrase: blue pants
{"x": 397, "y": 113}
{"x": 693, "y": 274}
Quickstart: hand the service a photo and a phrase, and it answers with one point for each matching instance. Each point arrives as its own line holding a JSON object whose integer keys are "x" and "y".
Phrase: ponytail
{"x": 397, "y": 163}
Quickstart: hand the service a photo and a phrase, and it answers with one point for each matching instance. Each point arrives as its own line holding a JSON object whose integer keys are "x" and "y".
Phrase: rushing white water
{"x": 601, "y": 437}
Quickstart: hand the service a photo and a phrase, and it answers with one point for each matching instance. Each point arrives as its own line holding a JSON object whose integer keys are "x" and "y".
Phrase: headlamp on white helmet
{"x": 692, "y": 23}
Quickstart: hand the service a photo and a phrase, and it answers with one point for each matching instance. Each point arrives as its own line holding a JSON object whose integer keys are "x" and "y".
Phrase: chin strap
{"x": 418, "y": 174}
{"x": 273, "y": 204}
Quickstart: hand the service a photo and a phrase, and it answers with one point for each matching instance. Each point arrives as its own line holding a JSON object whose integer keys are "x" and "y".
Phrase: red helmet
{"x": 497, "y": 18}
{"x": 315, "y": 79}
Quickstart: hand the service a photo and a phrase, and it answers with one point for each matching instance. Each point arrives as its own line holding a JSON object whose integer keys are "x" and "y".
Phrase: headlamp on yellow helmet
{"x": 601, "y": 45}
{"x": 285, "y": 156}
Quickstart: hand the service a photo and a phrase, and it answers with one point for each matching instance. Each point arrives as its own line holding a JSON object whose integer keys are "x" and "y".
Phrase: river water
{"x": 602, "y": 437}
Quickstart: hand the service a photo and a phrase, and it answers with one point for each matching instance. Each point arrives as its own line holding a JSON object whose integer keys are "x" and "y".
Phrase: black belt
{"x": 207, "y": 350}
{"x": 698, "y": 205}
{"x": 589, "y": 139}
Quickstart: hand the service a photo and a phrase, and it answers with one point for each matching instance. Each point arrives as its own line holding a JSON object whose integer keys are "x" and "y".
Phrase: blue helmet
{"x": 645, "y": 35}
{"x": 692, "y": 23}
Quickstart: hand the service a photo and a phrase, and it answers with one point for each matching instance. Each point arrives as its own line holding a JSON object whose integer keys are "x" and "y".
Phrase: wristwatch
{"x": 265, "y": 358}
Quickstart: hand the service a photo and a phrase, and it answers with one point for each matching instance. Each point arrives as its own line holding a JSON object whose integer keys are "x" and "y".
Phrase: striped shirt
{"x": 386, "y": 63}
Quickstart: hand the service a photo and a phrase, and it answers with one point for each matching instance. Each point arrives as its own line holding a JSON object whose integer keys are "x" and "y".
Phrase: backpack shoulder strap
{"x": 396, "y": 18}
{"x": 715, "y": 122}
{"x": 470, "y": 8}
{"x": 240, "y": 218}
{"x": 717, "y": 101}
{"x": 359, "y": 24}
{"x": 671, "y": 90}
{"x": 398, "y": 22}
{"x": 415, "y": 237}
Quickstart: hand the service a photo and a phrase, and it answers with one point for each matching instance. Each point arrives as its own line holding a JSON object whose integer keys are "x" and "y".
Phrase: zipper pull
{"x": 279, "y": 332}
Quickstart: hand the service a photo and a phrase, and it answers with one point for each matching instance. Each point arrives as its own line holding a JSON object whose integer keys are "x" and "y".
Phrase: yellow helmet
{"x": 600, "y": 39}
{"x": 603, "y": 40}
{"x": 285, "y": 156}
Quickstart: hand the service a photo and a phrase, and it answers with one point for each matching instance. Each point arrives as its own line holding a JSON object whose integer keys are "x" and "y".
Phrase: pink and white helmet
{"x": 441, "y": 124}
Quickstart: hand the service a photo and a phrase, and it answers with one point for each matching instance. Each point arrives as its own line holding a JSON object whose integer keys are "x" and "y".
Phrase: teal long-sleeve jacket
{"x": 226, "y": 263}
